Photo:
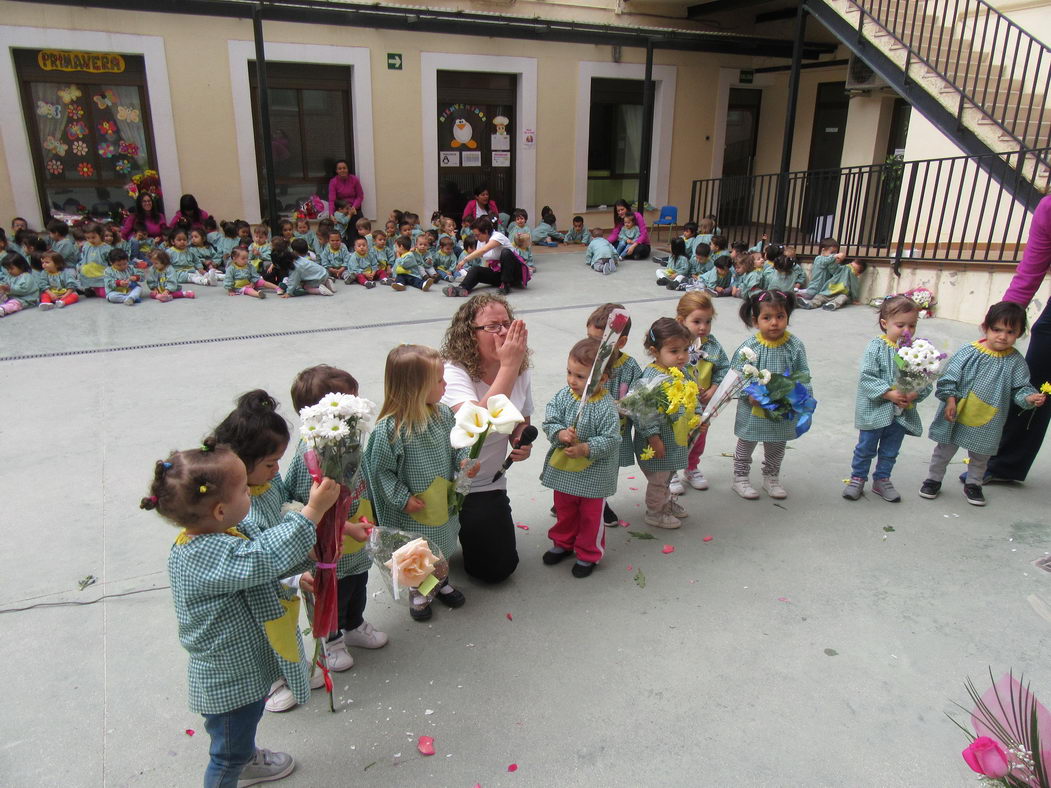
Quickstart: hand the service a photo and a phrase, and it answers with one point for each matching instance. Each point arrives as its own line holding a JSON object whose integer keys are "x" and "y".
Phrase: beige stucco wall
{"x": 196, "y": 51}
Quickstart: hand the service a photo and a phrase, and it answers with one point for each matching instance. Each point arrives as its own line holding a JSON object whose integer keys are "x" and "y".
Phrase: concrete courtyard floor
{"x": 818, "y": 642}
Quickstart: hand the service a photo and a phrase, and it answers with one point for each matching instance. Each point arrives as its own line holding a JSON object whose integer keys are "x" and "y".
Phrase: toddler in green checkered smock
{"x": 235, "y": 619}
{"x": 977, "y": 388}
{"x": 410, "y": 466}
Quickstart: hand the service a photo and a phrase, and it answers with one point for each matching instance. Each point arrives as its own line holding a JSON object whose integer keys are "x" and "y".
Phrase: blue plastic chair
{"x": 669, "y": 218}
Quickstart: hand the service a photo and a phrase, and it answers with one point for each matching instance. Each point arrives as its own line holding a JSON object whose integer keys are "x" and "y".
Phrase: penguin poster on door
{"x": 460, "y": 127}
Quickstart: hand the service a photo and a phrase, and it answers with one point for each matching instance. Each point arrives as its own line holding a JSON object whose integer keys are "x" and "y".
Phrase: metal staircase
{"x": 977, "y": 76}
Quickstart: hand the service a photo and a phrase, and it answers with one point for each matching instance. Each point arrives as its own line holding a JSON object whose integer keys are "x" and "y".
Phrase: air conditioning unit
{"x": 861, "y": 77}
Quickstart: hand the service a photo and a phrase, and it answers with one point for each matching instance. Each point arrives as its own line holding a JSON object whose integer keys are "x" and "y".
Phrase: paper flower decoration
{"x": 54, "y": 166}
{"x": 106, "y": 150}
{"x": 129, "y": 114}
{"x": 75, "y": 111}
{"x": 107, "y": 127}
{"x": 70, "y": 94}
{"x": 55, "y": 145}
{"x": 76, "y": 130}
{"x": 80, "y": 148}
{"x": 129, "y": 148}
{"x": 85, "y": 170}
{"x": 48, "y": 110}
{"x": 106, "y": 99}
{"x": 123, "y": 166}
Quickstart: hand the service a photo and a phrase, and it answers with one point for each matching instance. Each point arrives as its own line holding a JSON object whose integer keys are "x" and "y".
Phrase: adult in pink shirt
{"x": 1024, "y": 431}
{"x": 481, "y": 207}
{"x": 147, "y": 213}
{"x": 642, "y": 248}
{"x": 345, "y": 186}
{"x": 190, "y": 213}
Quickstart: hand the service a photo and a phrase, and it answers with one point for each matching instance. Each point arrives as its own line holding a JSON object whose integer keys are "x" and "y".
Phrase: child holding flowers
{"x": 883, "y": 413}
{"x": 240, "y": 632}
{"x": 976, "y": 389}
{"x": 623, "y": 371}
{"x": 707, "y": 367}
{"x": 660, "y": 443}
{"x": 773, "y": 350}
{"x": 581, "y": 465}
{"x": 410, "y": 466}
{"x": 352, "y": 569}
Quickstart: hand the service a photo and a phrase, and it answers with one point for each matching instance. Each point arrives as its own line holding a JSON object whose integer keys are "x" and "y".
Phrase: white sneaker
{"x": 200, "y": 279}
{"x": 337, "y": 657}
{"x": 59, "y": 304}
{"x": 281, "y": 697}
{"x": 662, "y": 519}
{"x": 675, "y": 487}
{"x": 696, "y": 479}
{"x": 773, "y": 487}
{"x": 324, "y": 290}
{"x": 743, "y": 487}
{"x": 317, "y": 680}
{"x": 44, "y": 307}
{"x": 677, "y": 509}
{"x": 214, "y": 277}
{"x": 365, "y": 636}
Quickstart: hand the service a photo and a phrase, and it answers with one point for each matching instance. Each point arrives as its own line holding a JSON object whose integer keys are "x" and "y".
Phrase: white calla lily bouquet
{"x": 473, "y": 425}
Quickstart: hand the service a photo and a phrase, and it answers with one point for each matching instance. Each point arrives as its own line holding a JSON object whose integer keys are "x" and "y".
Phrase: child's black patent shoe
{"x": 451, "y": 598}
{"x": 974, "y": 495}
{"x": 582, "y": 569}
{"x": 930, "y": 489}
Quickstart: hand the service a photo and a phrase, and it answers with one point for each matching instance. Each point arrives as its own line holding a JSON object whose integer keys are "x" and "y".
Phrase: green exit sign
{"x": 747, "y": 76}
{"x": 394, "y": 61}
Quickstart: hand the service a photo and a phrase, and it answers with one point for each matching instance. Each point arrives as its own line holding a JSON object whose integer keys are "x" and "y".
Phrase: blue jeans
{"x": 622, "y": 247}
{"x": 410, "y": 281}
{"x": 883, "y": 444}
{"x": 233, "y": 743}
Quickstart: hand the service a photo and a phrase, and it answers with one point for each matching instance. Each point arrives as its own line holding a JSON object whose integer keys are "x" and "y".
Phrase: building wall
{"x": 207, "y": 135}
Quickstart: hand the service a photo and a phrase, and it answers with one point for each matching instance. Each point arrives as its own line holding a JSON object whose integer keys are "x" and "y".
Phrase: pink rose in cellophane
{"x": 985, "y": 756}
{"x": 413, "y": 563}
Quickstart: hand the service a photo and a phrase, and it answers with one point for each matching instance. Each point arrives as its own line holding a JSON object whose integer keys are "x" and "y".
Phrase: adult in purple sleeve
{"x": 189, "y": 213}
{"x": 345, "y": 186}
{"x": 148, "y": 213}
{"x": 1023, "y": 434}
{"x": 642, "y": 247}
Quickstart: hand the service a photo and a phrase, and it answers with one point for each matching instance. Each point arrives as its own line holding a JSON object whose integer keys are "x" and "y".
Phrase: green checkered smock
{"x": 599, "y": 427}
{"x": 779, "y": 357}
{"x": 267, "y": 500}
{"x": 622, "y": 373}
{"x": 984, "y": 383}
{"x": 784, "y": 281}
{"x": 879, "y": 372}
{"x": 225, "y": 589}
{"x": 674, "y": 453}
{"x": 423, "y": 464}
{"x": 298, "y": 482}
{"x": 819, "y": 272}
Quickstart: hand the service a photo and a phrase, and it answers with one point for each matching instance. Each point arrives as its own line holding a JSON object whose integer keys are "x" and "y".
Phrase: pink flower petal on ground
{"x": 707, "y": 539}
{"x": 509, "y": 617}
{"x": 668, "y": 549}
{"x": 190, "y": 731}
{"x": 522, "y": 526}
{"x": 782, "y": 599}
{"x": 631, "y": 477}
{"x": 630, "y": 567}
{"x": 425, "y": 745}
{"x": 636, "y": 489}
{"x": 623, "y": 523}
{"x": 513, "y": 767}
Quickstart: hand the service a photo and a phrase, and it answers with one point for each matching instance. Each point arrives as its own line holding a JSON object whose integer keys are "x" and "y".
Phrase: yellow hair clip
{"x": 203, "y": 488}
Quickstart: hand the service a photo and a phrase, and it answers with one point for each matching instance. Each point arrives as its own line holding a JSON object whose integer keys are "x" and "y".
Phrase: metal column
{"x": 781, "y": 205}
{"x": 263, "y": 120}
{"x": 646, "y": 148}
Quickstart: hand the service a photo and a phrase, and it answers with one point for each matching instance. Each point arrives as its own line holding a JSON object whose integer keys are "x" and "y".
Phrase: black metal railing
{"x": 949, "y": 210}
{"x": 994, "y": 64}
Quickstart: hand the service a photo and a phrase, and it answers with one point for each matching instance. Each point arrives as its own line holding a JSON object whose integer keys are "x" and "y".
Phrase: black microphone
{"x": 525, "y": 439}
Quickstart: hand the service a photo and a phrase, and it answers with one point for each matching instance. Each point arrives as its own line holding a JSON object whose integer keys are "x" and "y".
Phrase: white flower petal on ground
{"x": 503, "y": 416}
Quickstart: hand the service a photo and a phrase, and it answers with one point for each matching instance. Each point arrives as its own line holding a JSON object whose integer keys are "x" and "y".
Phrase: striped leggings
{"x": 773, "y": 454}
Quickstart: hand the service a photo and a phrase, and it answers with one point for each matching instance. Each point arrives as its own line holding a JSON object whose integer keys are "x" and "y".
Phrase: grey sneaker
{"x": 266, "y": 767}
{"x": 743, "y": 487}
{"x": 676, "y": 509}
{"x": 854, "y": 488}
{"x": 772, "y": 485}
{"x": 885, "y": 490}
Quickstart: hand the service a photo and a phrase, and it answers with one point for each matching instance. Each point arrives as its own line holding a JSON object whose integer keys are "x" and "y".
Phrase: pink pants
{"x": 70, "y": 297}
{"x": 696, "y": 451}
{"x": 10, "y": 306}
{"x": 174, "y": 294}
{"x": 657, "y": 492}
{"x": 579, "y": 526}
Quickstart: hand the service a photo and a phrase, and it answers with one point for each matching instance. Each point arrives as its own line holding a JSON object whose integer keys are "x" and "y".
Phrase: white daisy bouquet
{"x": 473, "y": 424}
{"x": 334, "y": 431}
{"x": 919, "y": 364}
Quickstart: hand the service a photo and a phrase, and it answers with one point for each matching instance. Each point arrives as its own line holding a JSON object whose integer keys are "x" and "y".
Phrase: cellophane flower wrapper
{"x": 615, "y": 326}
{"x": 427, "y": 568}
{"x": 784, "y": 396}
{"x": 334, "y": 431}
{"x": 645, "y": 403}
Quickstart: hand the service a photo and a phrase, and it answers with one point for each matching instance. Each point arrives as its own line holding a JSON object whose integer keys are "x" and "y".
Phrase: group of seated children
{"x": 702, "y": 261}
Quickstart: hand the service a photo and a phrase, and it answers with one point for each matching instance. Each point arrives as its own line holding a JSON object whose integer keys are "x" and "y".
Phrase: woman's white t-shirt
{"x": 494, "y": 254}
{"x": 460, "y": 388}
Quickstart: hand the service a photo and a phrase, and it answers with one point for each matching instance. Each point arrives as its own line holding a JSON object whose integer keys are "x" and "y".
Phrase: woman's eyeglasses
{"x": 494, "y": 328}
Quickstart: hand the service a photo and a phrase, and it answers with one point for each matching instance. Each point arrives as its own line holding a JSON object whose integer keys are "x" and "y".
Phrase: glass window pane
{"x": 118, "y": 128}
{"x": 629, "y": 136}
{"x": 284, "y": 131}
{"x": 324, "y": 124}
